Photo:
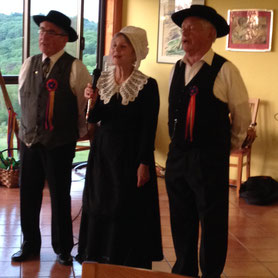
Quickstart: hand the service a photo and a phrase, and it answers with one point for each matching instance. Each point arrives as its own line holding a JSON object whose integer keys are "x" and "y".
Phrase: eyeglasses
{"x": 50, "y": 32}
{"x": 188, "y": 29}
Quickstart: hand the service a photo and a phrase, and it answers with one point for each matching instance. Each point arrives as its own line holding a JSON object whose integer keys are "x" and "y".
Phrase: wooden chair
{"x": 243, "y": 156}
{"x": 97, "y": 270}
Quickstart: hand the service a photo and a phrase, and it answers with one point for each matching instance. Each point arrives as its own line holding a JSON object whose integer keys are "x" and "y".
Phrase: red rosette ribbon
{"x": 190, "y": 117}
{"x": 51, "y": 86}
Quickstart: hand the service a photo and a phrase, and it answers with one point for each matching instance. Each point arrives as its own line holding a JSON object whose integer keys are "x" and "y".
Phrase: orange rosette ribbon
{"x": 51, "y": 86}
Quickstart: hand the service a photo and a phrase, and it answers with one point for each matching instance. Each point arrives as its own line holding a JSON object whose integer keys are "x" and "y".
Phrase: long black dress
{"x": 120, "y": 223}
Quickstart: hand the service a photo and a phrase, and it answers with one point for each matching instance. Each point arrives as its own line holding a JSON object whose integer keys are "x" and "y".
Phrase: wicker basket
{"x": 9, "y": 178}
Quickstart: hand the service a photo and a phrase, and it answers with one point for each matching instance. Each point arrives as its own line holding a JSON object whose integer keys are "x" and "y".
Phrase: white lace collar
{"x": 128, "y": 90}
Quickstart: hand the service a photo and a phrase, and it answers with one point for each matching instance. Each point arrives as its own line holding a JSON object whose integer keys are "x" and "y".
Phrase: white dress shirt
{"x": 79, "y": 78}
{"x": 229, "y": 88}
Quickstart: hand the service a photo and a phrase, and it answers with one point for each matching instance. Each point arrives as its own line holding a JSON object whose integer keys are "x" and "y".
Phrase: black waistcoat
{"x": 34, "y": 96}
{"x": 211, "y": 125}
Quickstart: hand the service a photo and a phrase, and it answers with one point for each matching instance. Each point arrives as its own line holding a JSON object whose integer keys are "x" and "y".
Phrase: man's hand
{"x": 143, "y": 174}
{"x": 250, "y": 137}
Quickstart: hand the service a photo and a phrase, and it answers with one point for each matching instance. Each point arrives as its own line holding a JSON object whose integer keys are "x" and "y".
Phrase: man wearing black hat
{"x": 205, "y": 89}
{"x": 51, "y": 87}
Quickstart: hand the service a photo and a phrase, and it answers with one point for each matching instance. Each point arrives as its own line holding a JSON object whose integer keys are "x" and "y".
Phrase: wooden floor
{"x": 253, "y": 237}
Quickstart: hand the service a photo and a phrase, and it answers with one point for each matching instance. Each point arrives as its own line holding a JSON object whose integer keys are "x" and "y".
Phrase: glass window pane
{"x": 91, "y": 9}
{"x": 11, "y": 21}
{"x": 67, "y": 7}
{"x": 90, "y": 28}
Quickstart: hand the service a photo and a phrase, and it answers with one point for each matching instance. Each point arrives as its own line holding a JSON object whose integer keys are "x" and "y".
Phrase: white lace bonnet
{"x": 139, "y": 41}
{"x": 130, "y": 88}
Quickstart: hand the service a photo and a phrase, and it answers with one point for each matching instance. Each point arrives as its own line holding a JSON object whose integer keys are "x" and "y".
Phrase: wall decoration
{"x": 169, "y": 48}
{"x": 250, "y": 30}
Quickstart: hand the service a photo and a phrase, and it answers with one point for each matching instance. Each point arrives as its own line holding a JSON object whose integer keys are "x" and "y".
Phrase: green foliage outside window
{"x": 10, "y": 43}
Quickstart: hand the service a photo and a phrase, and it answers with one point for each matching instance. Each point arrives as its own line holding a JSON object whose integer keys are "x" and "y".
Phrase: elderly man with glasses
{"x": 51, "y": 87}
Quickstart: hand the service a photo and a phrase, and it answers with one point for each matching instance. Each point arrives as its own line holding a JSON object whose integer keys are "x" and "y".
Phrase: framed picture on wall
{"x": 169, "y": 48}
{"x": 250, "y": 30}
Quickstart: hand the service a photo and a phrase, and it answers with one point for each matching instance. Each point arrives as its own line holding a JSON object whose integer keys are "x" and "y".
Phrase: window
{"x": 15, "y": 47}
{"x": 90, "y": 33}
{"x": 11, "y": 27}
{"x": 86, "y": 29}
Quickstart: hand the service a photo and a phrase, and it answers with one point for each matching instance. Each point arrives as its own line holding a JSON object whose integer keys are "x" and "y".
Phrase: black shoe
{"x": 64, "y": 259}
{"x": 25, "y": 253}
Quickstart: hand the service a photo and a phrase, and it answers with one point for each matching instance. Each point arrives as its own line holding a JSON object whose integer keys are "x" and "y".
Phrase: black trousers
{"x": 198, "y": 190}
{"x": 37, "y": 165}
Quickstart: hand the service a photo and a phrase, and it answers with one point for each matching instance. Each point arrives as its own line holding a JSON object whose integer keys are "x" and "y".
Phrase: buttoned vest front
{"x": 211, "y": 122}
{"x": 34, "y": 99}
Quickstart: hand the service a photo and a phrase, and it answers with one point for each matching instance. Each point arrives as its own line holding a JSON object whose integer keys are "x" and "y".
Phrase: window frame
{"x": 13, "y": 79}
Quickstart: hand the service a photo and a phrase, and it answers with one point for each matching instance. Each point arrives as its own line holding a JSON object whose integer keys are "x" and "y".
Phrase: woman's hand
{"x": 143, "y": 174}
{"x": 90, "y": 94}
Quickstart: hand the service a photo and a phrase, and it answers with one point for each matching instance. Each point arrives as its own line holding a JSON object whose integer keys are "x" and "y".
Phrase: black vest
{"x": 212, "y": 125}
{"x": 34, "y": 96}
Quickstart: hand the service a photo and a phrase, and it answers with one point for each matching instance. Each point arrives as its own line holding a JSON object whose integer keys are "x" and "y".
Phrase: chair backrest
{"x": 97, "y": 270}
{"x": 8, "y": 101}
{"x": 254, "y": 106}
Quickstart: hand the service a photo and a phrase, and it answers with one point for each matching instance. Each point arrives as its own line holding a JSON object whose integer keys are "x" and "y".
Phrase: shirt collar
{"x": 207, "y": 58}
{"x": 54, "y": 57}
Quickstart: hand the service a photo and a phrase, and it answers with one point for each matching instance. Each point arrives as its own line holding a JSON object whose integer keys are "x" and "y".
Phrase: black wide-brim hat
{"x": 60, "y": 20}
{"x": 205, "y": 12}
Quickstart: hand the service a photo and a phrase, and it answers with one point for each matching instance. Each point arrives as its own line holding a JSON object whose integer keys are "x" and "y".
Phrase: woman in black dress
{"x": 120, "y": 221}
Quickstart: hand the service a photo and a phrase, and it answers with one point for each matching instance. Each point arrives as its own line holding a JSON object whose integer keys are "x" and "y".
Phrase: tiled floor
{"x": 253, "y": 238}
